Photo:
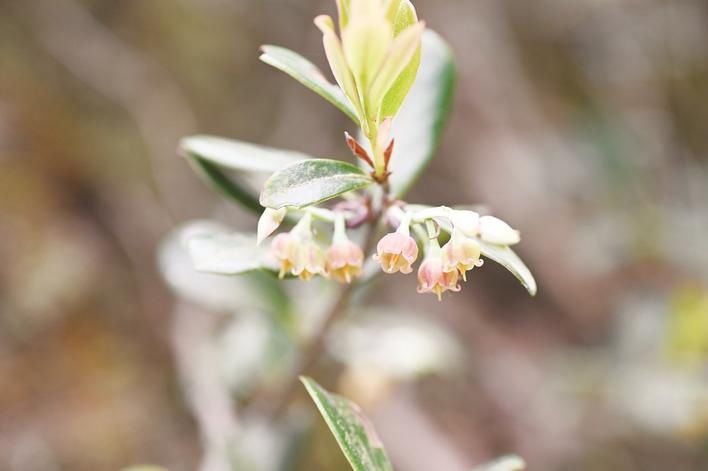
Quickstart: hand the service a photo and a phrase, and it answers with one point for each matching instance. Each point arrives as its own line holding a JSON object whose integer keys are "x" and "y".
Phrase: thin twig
{"x": 278, "y": 403}
{"x": 274, "y": 405}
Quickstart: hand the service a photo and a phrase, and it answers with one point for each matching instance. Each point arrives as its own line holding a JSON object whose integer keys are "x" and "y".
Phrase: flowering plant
{"x": 349, "y": 222}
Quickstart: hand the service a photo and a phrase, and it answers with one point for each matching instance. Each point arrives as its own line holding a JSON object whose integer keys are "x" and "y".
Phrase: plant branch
{"x": 311, "y": 354}
{"x": 274, "y": 405}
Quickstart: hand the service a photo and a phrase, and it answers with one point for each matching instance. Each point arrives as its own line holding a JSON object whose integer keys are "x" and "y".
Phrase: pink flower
{"x": 298, "y": 253}
{"x": 432, "y": 278}
{"x": 461, "y": 254}
{"x": 397, "y": 251}
{"x": 344, "y": 260}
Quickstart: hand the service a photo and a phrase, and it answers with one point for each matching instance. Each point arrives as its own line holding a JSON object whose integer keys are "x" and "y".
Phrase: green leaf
{"x": 227, "y": 254}
{"x": 398, "y": 72}
{"x": 353, "y": 431}
{"x": 403, "y": 15}
{"x": 233, "y": 188}
{"x": 310, "y": 182}
{"x": 505, "y": 463}
{"x": 418, "y": 126}
{"x": 209, "y": 154}
{"x": 253, "y": 290}
{"x": 309, "y": 75}
{"x": 239, "y": 155}
{"x": 509, "y": 260}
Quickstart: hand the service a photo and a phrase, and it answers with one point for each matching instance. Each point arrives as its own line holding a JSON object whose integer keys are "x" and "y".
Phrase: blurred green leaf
{"x": 509, "y": 260}
{"x": 209, "y": 155}
{"x": 145, "y": 468}
{"x": 353, "y": 431}
{"x": 254, "y": 290}
{"x": 238, "y": 155}
{"x": 310, "y": 182}
{"x": 227, "y": 254}
{"x": 309, "y": 75}
{"x": 505, "y": 463}
{"x": 418, "y": 126}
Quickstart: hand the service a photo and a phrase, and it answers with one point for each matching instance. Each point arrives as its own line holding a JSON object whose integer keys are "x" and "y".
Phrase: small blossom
{"x": 298, "y": 253}
{"x": 461, "y": 254}
{"x": 496, "y": 231}
{"x": 432, "y": 277}
{"x": 397, "y": 251}
{"x": 344, "y": 257}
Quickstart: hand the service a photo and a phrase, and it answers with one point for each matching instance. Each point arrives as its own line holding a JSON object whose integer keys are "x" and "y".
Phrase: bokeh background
{"x": 584, "y": 123}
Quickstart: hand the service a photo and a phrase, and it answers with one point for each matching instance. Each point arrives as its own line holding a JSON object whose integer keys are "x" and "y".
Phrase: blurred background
{"x": 583, "y": 123}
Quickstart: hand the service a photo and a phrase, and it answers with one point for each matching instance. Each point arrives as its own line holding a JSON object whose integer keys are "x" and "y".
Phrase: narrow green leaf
{"x": 365, "y": 46}
{"x": 402, "y": 13}
{"x": 309, "y": 75}
{"x": 227, "y": 254}
{"x": 337, "y": 62}
{"x": 402, "y": 54}
{"x": 343, "y": 7}
{"x": 509, "y": 260}
{"x": 418, "y": 125}
{"x": 209, "y": 155}
{"x": 310, "y": 182}
{"x": 353, "y": 431}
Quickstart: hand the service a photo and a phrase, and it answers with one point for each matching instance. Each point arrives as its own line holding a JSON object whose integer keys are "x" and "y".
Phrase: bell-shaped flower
{"x": 344, "y": 258}
{"x": 496, "y": 231}
{"x": 298, "y": 253}
{"x": 397, "y": 251}
{"x": 432, "y": 276}
{"x": 461, "y": 254}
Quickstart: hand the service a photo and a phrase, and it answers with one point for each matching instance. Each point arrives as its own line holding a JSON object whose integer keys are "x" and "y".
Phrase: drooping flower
{"x": 432, "y": 277}
{"x": 344, "y": 258}
{"x": 397, "y": 251}
{"x": 461, "y": 254}
{"x": 298, "y": 253}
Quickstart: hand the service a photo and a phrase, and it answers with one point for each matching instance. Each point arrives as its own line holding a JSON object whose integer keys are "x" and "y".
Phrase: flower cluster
{"x": 299, "y": 254}
{"x": 442, "y": 267}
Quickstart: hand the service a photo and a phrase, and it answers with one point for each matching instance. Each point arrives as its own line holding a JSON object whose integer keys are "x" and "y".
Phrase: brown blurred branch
{"x": 131, "y": 79}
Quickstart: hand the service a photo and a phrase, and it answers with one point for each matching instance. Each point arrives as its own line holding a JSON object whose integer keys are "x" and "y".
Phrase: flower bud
{"x": 268, "y": 223}
{"x": 496, "y": 231}
{"x": 466, "y": 221}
